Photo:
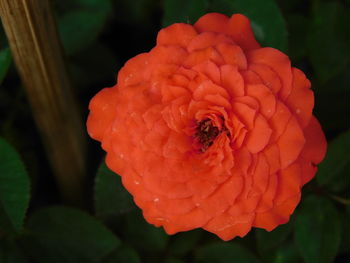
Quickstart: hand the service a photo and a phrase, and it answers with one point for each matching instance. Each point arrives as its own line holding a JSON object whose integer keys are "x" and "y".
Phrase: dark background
{"x": 99, "y": 36}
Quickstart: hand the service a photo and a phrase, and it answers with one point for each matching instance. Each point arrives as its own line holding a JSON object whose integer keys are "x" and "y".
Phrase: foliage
{"x": 98, "y": 37}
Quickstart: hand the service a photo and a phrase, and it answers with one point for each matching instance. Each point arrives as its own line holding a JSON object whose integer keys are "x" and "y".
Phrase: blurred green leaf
{"x": 333, "y": 172}
{"x": 63, "y": 234}
{"x": 183, "y": 11}
{"x": 10, "y": 253}
{"x": 317, "y": 231}
{"x": 183, "y": 242}
{"x": 270, "y": 240}
{"x": 265, "y": 16}
{"x": 123, "y": 255}
{"x": 290, "y": 4}
{"x": 5, "y": 62}
{"x": 14, "y": 189}
{"x": 143, "y": 235}
{"x": 111, "y": 198}
{"x": 346, "y": 232}
{"x": 297, "y": 28}
{"x": 225, "y": 253}
{"x": 80, "y": 26}
{"x": 98, "y": 62}
{"x": 332, "y": 109}
{"x": 329, "y": 39}
{"x": 286, "y": 254}
{"x": 173, "y": 260}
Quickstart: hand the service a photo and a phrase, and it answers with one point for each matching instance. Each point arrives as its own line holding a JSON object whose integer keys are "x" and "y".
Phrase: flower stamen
{"x": 206, "y": 134}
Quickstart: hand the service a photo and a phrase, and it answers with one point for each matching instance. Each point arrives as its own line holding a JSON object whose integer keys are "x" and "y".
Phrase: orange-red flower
{"x": 210, "y": 130}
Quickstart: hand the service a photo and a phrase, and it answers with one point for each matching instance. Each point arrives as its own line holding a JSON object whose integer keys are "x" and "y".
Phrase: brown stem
{"x": 32, "y": 35}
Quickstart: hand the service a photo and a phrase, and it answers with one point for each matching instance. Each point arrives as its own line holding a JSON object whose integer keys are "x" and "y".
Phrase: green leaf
{"x": 330, "y": 104}
{"x": 143, "y": 235}
{"x": 225, "y": 253}
{"x": 346, "y": 232}
{"x": 63, "y": 234}
{"x": 333, "y": 172}
{"x": 5, "y": 62}
{"x": 173, "y": 260}
{"x": 267, "y": 21}
{"x": 80, "y": 26}
{"x": 329, "y": 39}
{"x": 111, "y": 198}
{"x": 183, "y": 11}
{"x": 184, "y": 242}
{"x": 10, "y": 252}
{"x": 123, "y": 255}
{"x": 297, "y": 36}
{"x": 14, "y": 189}
{"x": 270, "y": 240}
{"x": 286, "y": 254}
{"x": 317, "y": 231}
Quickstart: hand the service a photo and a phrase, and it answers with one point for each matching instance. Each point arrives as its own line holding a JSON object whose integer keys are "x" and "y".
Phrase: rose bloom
{"x": 210, "y": 130}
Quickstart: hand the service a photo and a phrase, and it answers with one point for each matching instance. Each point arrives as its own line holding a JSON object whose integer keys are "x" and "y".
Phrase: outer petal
{"x": 316, "y": 144}
{"x": 289, "y": 183}
{"x": 301, "y": 99}
{"x": 238, "y": 27}
{"x": 241, "y": 32}
{"x": 276, "y": 216}
{"x": 194, "y": 219}
{"x": 134, "y": 71}
{"x": 227, "y": 226}
{"x": 212, "y": 22}
{"x": 291, "y": 143}
{"x": 177, "y": 34}
{"x": 102, "y": 112}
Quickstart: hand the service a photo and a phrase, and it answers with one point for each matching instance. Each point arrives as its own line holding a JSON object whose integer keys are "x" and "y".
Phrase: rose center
{"x": 206, "y": 133}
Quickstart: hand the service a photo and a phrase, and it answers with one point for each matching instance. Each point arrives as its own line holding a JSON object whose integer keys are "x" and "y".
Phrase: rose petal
{"x": 278, "y": 122}
{"x": 272, "y": 155}
{"x": 203, "y": 55}
{"x": 278, "y": 61}
{"x": 290, "y": 143}
{"x": 222, "y": 198}
{"x": 210, "y": 70}
{"x": 103, "y": 104}
{"x": 167, "y": 55}
{"x": 316, "y": 143}
{"x": 308, "y": 170}
{"x": 232, "y": 80}
{"x": 260, "y": 177}
{"x": 233, "y": 55}
{"x": 207, "y": 39}
{"x": 241, "y": 31}
{"x": 228, "y": 227}
{"x": 267, "y": 199}
{"x": 289, "y": 183}
{"x": 134, "y": 71}
{"x": 212, "y": 22}
{"x": 245, "y": 113}
{"x": 173, "y": 206}
{"x": 259, "y": 136}
{"x": 176, "y": 34}
{"x": 194, "y": 219}
{"x": 269, "y": 77}
{"x": 265, "y": 97}
{"x": 277, "y": 215}
{"x": 301, "y": 99}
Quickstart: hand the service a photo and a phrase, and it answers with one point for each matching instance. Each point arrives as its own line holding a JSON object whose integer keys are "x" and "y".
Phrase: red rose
{"x": 210, "y": 130}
